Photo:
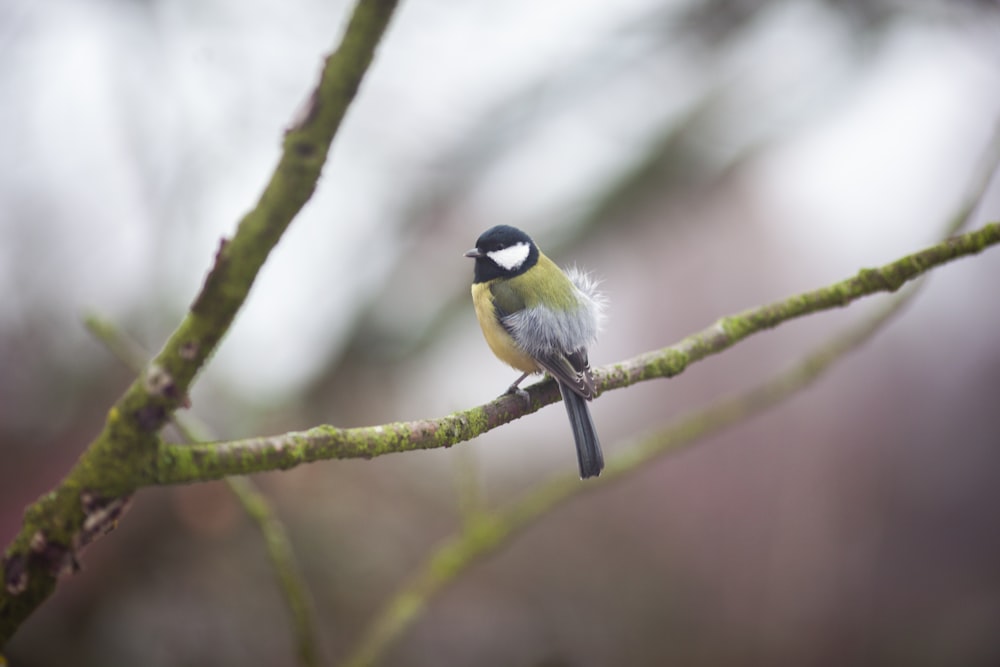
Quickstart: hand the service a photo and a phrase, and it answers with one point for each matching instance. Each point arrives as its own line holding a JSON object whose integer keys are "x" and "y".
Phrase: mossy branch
{"x": 184, "y": 463}
{"x": 123, "y": 456}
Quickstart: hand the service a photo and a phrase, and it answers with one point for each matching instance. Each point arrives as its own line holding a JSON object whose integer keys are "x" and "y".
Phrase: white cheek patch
{"x": 512, "y": 257}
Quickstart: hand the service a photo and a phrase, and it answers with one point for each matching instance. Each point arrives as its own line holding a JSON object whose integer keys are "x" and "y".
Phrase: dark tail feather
{"x": 588, "y": 447}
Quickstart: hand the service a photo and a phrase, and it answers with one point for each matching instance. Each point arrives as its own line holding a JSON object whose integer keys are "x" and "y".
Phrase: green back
{"x": 544, "y": 283}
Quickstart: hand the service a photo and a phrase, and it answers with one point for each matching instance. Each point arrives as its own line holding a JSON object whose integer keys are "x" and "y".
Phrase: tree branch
{"x": 183, "y": 463}
{"x": 123, "y": 457}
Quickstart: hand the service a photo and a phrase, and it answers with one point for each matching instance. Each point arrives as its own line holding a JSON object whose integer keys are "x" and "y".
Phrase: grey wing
{"x": 573, "y": 370}
{"x": 558, "y": 342}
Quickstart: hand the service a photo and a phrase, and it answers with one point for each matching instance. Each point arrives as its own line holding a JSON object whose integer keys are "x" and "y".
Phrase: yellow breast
{"x": 501, "y": 342}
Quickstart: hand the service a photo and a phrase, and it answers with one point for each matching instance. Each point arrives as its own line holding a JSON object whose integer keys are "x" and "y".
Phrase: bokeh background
{"x": 700, "y": 156}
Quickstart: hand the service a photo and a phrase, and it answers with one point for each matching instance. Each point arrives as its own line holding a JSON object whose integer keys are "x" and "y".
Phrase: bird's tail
{"x": 588, "y": 447}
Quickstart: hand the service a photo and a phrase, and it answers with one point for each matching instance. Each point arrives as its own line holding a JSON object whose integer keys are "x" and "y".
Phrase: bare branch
{"x": 279, "y": 550}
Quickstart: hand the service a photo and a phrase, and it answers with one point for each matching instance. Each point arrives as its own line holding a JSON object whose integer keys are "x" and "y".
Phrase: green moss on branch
{"x": 124, "y": 456}
{"x": 184, "y": 463}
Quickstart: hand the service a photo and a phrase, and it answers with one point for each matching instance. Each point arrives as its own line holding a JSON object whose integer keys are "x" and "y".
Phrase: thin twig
{"x": 491, "y": 531}
{"x": 254, "y": 503}
{"x": 279, "y": 550}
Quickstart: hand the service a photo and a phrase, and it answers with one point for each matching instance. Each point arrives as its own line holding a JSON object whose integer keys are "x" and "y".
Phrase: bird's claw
{"x": 514, "y": 390}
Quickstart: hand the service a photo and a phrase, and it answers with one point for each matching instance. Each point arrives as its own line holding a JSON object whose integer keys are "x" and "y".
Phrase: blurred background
{"x": 700, "y": 157}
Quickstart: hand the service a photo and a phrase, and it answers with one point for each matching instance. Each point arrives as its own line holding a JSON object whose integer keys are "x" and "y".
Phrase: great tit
{"x": 537, "y": 318}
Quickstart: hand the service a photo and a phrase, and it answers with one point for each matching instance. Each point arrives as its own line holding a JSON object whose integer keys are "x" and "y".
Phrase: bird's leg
{"x": 517, "y": 391}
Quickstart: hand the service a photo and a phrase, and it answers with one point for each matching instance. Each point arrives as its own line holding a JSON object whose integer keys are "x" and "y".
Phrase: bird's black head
{"x": 502, "y": 252}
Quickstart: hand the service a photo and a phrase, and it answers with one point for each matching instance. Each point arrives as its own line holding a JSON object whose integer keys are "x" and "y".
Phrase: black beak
{"x": 475, "y": 253}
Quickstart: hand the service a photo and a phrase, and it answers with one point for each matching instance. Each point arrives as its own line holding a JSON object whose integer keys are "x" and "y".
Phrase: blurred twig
{"x": 485, "y": 533}
{"x": 254, "y": 503}
{"x": 279, "y": 550}
{"x": 468, "y": 486}
{"x": 488, "y": 532}
{"x": 179, "y": 464}
{"x": 122, "y": 458}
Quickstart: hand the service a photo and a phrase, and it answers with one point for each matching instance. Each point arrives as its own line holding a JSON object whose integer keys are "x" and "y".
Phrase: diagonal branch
{"x": 184, "y": 463}
{"x": 123, "y": 456}
{"x": 286, "y": 569}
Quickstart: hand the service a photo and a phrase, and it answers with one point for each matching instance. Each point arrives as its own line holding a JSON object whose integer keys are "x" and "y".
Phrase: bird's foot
{"x": 520, "y": 393}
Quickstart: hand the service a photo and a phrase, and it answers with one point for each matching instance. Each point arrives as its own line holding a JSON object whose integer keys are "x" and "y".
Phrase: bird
{"x": 539, "y": 318}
